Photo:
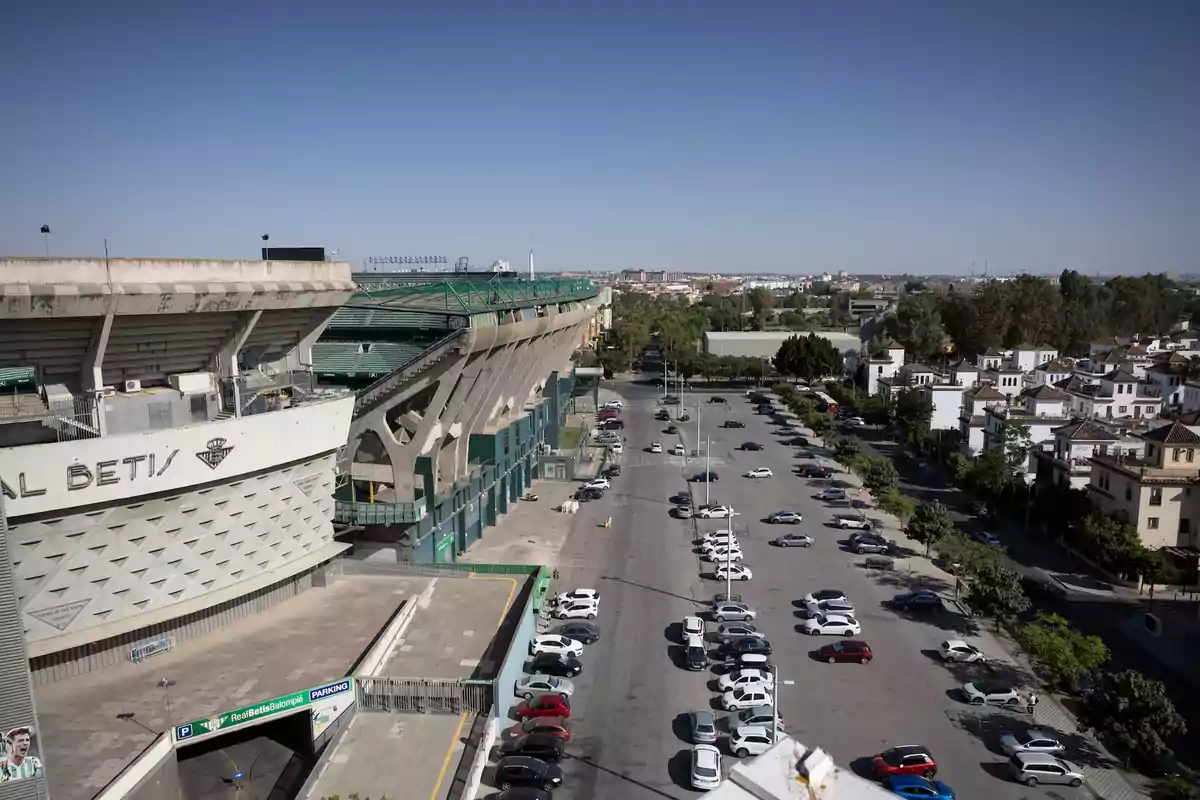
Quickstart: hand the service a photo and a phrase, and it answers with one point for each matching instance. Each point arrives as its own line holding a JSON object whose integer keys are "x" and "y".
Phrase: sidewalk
{"x": 1103, "y": 783}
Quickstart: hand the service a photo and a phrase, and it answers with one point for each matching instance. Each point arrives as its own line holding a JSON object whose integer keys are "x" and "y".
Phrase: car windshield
{"x": 705, "y": 772}
{"x": 992, "y": 688}
{"x": 706, "y": 727}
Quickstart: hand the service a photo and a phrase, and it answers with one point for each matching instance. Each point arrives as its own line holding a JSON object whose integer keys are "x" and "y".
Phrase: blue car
{"x": 918, "y": 787}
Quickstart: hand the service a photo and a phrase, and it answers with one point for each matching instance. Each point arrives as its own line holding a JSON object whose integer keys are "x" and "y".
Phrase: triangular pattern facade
{"x": 127, "y": 560}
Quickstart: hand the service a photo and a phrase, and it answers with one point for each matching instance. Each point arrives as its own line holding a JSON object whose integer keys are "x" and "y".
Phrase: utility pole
{"x": 775, "y": 704}
{"x": 729, "y": 555}
{"x": 707, "y": 482}
{"x": 698, "y": 431}
{"x": 666, "y": 380}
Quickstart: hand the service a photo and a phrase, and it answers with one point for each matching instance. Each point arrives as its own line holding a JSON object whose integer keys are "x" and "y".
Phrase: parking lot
{"x": 629, "y": 713}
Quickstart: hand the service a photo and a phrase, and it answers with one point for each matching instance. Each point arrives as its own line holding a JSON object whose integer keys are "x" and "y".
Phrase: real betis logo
{"x": 214, "y": 453}
{"x": 213, "y": 725}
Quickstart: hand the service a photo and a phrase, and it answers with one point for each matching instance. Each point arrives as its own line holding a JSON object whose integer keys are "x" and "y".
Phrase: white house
{"x": 1066, "y": 463}
{"x": 1048, "y": 374}
{"x": 1191, "y": 396}
{"x": 1027, "y": 357}
{"x": 971, "y": 421}
{"x": 1041, "y": 410}
{"x": 947, "y": 402}
{"x": 991, "y": 358}
{"x": 963, "y": 373}
{"x": 1167, "y": 380}
{"x": 1008, "y": 380}
{"x": 1117, "y": 395}
{"x": 885, "y": 365}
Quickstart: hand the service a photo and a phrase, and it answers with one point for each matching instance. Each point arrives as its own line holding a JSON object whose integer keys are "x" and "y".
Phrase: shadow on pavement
{"x": 1000, "y": 671}
{"x": 672, "y": 770}
{"x": 694, "y": 601}
{"x": 988, "y": 726}
{"x": 862, "y": 767}
{"x": 681, "y": 726}
{"x": 673, "y": 633}
{"x": 907, "y": 581}
{"x": 997, "y": 769}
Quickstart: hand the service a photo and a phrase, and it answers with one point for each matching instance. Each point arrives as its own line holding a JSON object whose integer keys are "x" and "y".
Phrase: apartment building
{"x": 883, "y": 366}
{"x": 1041, "y": 410}
{"x": 1157, "y": 490}
{"x": 972, "y": 419}
{"x": 1049, "y": 373}
{"x": 1066, "y": 461}
{"x": 1116, "y": 395}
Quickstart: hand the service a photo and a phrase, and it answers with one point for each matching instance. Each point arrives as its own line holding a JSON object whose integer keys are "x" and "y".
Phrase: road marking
{"x": 512, "y": 591}
{"x": 437, "y": 787}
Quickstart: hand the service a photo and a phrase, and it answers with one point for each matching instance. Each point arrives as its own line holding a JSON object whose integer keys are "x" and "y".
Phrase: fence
{"x": 460, "y": 570}
{"x": 424, "y": 695}
{"x": 71, "y": 418}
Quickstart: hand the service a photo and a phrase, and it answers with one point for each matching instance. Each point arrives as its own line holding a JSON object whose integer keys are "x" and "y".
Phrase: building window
{"x": 1191, "y": 454}
{"x": 1156, "y": 497}
{"x": 1123, "y": 410}
{"x": 1152, "y": 523}
{"x": 1185, "y": 527}
{"x": 1128, "y": 495}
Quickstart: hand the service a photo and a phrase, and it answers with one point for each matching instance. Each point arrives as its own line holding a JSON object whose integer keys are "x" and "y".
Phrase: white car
{"x": 831, "y": 625}
{"x": 958, "y": 650}
{"x": 983, "y": 692}
{"x": 750, "y": 740}
{"x": 824, "y": 594}
{"x": 693, "y": 640}
{"x": 861, "y": 523}
{"x": 616, "y": 447}
{"x": 735, "y": 572}
{"x": 559, "y": 645}
{"x": 655, "y": 448}
{"x": 597, "y": 483}
{"x": 706, "y": 767}
{"x": 746, "y": 697}
{"x": 613, "y": 405}
{"x": 677, "y": 450}
{"x": 722, "y": 554}
{"x": 744, "y": 677}
{"x": 831, "y": 494}
{"x": 715, "y": 512}
{"x": 727, "y": 611}
{"x": 693, "y": 626}
{"x": 577, "y": 609}
{"x": 761, "y": 472}
{"x": 530, "y": 686}
{"x": 842, "y": 608}
{"x": 720, "y": 539}
{"x": 855, "y": 422}
{"x": 576, "y": 594}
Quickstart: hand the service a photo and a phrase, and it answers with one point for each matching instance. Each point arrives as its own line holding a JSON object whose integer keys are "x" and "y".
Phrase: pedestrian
{"x": 556, "y": 573}
{"x": 1033, "y": 701}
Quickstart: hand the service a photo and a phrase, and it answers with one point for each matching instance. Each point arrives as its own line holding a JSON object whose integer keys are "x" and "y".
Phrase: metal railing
{"x": 70, "y": 419}
{"x": 453, "y": 296}
{"x": 423, "y": 695}
{"x": 462, "y": 570}
{"x": 367, "y": 396}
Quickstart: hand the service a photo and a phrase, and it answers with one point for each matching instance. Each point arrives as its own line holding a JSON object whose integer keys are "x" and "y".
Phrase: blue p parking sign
{"x": 183, "y": 732}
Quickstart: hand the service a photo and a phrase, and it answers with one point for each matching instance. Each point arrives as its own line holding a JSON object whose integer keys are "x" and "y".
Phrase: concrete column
{"x": 481, "y": 404}
{"x": 471, "y": 387}
{"x": 92, "y": 378}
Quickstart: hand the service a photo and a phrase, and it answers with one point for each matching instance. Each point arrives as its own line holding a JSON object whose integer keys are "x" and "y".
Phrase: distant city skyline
{"x": 776, "y": 136}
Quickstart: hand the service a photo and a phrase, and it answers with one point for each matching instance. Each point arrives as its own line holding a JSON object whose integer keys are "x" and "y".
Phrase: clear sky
{"x": 877, "y": 136}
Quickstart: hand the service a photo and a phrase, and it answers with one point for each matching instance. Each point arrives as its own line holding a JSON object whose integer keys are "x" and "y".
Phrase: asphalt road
{"x": 628, "y": 738}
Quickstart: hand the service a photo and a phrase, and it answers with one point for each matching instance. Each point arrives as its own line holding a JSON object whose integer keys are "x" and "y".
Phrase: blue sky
{"x": 761, "y": 136}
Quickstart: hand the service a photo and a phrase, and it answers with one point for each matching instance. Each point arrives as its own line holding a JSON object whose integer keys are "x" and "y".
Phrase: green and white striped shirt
{"x": 28, "y": 768}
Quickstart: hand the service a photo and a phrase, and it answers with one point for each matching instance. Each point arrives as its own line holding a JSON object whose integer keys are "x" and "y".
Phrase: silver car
{"x": 530, "y": 686}
{"x": 1034, "y": 768}
{"x": 683, "y": 512}
{"x": 1033, "y": 740}
{"x": 793, "y": 540}
{"x": 703, "y": 726}
{"x": 733, "y": 612}
{"x": 738, "y": 630}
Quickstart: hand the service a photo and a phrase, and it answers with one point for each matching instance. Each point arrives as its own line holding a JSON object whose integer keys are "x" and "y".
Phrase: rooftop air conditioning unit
{"x": 132, "y": 385}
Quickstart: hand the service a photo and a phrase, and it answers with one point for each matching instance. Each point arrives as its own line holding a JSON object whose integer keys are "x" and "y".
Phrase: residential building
{"x": 884, "y": 365}
{"x": 1167, "y": 379}
{"x": 991, "y": 358}
{"x": 1117, "y": 395}
{"x": 1007, "y": 379}
{"x": 963, "y": 373}
{"x": 1158, "y": 491}
{"x": 1066, "y": 461}
{"x": 971, "y": 420}
{"x": 1028, "y": 357}
{"x": 947, "y": 402}
{"x": 1041, "y": 410}
{"x": 1049, "y": 373}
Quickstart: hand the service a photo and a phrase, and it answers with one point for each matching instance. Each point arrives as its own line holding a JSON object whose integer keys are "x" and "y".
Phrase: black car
{"x": 798, "y": 441}
{"x": 527, "y": 771}
{"x": 717, "y": 400}
{"x": 612, "y": 471}
{"x": 737, "y": 647}
{"x": 584, "y": 495}
{"x": 662, "y": 415}
{"x": 752, "y": 446}
{"x": 524, "y": 793}
{"x": 612, "y": 425}
{"x": 556, "y": 664}
{"x": 672, "y": 429}
{"x": 580, "y": 630}
{"x": 534, "y": 745}
{"x": 705, "y": 477}
{"x": 697, "y": 659}
{"x": 733, "y": 423}
{"x": 918, "y": 603}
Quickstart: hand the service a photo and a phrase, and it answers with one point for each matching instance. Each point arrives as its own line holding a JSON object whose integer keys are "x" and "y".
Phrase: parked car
{"x": 735, "y": 572}
{"x": 758, "y": 661}
{"x": 682, "y": 512}
{"x": 546, "y": 705}
{"x": 985, "y": 538}
{"x": 718, "y": 400}
{"x": 705, "y": 477}
{"x": 847, "y": 522}
{"x": 550, "y": 726}
{"x": 1031, "y": 740}
{"x": 832, "y": 625}
{"x": 750, "y": 740}
{"x": 692, "y": 626}
{"x": 873, "y": 544}
{"x": 752, "y": 446}
{"x": 850, "y": 650}
{"x": 958, "y": 650}
{"x": 824, "y": 594}
{"x": 744, "y": 677}
{"x": 722, "y": 555}
{"x": 733, "y": 611}
{"x": 995, "y": 693}
{"x": 827, "y": 494}
{"x": 696, "y": 657}
{"x": 554, "y": 664}
{"x": 703, "y": 726}
{"x": 922, "y": 602}
{"x": 578, "y": 609}
{"x": 526, "y": 771}
{"x": 786, "y": 518}
{"x": 755, "y": 715}
{"x": 737, "y": 647}
{"x": 706, "y": 767}
{"x": 612, "y": 470}
{"x": 656, "y": 447}
{"x": 793, "y": 540}
{"x": 914, "y": 786}
{"x": 842, "y": 608}
{"x": 733, "y": 423}
{"x": 580, "y": 631}
{"x": 537, "y": 745}
{"x": 715, "y": 512}
{"x": 529, "y": 686}
{"x": 598, "y": 483}
{"x": 759, "y": 472}
{"x": 677, "y": 450}
{"x": 906, "y": 759}
{"x": 737, "y": 630}
{"x": 576, "y": 594}
{"x": 1034, "y": 768}
{"x": 550, "y": 643}
{"x": 745, "y": 697}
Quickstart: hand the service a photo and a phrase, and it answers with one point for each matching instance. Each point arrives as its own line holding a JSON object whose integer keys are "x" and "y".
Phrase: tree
{"x": 960, "y": 468}
{"x": 913, "y": 411}
{"x": 989, "y": 474}
{"x": 810, "y": 358}
{"x": 995, "y": 591}
{"x": 917, "y": 324}
{"x": 879, "y": 476}
{"x": 1135, "y": 712}
{"x": 1063, "y": 655}
{"x": 846, "y": 450}
{"x": 1114, "y": 545}
{"x": 896, "y": 504}
{"x": 1016, "y": 443}
{"x": 929, "y": 524}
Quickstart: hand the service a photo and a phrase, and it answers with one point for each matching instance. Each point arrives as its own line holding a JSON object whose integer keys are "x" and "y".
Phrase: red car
{"x": 907, "y": 759}
{"x": 551, "y": 726}
{"x": 606, "y": 415}
{"x": 848, "y": 650}
{"x": 546, "y": 705}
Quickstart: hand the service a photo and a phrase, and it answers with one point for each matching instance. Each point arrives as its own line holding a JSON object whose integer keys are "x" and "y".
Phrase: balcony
{"x": 351, "y": 512}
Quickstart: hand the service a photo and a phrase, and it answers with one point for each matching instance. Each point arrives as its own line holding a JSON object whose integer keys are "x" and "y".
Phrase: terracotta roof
{"x": 1045, "y": 392}
{"x": 1175, "y": 433}
{"x": 1088, "y": 431}
{"x": 1191, "y": 419}
{"x": 1120, "y": 376}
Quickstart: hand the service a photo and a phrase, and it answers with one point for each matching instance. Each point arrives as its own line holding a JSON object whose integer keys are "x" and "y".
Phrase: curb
{"x": 475, "y": 777}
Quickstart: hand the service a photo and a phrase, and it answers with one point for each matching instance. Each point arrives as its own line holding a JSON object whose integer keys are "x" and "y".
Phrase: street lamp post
{"x": 707, "y": 482}
{"x": 666, "y": 379}
{"x": 729, "y": 556}
{"x": 165, "y": 684}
